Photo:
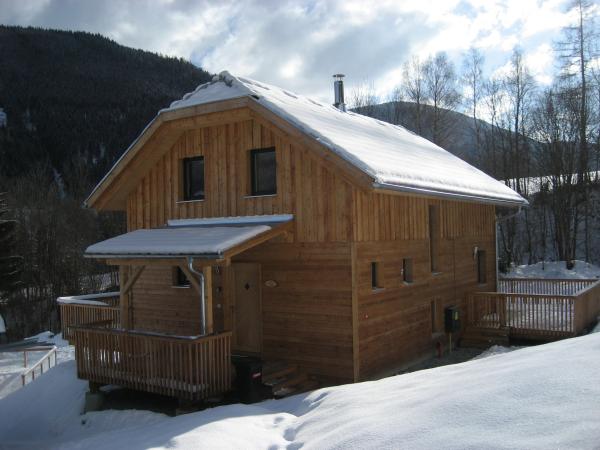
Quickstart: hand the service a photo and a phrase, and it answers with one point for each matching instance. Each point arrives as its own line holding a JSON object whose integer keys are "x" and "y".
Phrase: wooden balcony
{"x": 192, "y": 368}
{"x": 541, "y": 309}
{"x": 86, "y": 309}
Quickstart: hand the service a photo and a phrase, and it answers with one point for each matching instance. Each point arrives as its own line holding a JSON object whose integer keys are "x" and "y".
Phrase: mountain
{"x": 459, "y": 137}
{"x": 75, "y": 98}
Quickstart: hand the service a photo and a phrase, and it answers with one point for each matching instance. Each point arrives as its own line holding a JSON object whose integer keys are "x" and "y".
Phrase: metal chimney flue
{"x": 338, "y": 91}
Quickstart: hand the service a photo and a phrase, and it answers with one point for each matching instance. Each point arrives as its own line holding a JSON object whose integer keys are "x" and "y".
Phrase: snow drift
{"x": 538, "y": 397}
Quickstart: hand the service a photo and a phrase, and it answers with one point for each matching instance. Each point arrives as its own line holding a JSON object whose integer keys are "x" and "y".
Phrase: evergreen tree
{"x": 9, "y": 262}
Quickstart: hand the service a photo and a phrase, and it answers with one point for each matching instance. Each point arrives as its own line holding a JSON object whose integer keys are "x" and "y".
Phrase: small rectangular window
{"x": 179, "y": 278}
{"x": 434, "y": 317}
{"x": 193, "y": 178}
{"x": 263, "y": 171}
{"x": 376, "y": 276}
{"x": 407, "y": 270}
{"x": 434, "y": 236}
{"x": 481, "y": 267}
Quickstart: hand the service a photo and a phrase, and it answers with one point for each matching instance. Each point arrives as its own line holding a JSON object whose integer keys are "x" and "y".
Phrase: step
{"x": 294, "y": 379}
{"x": 305, "y": 386}
{"x": 272, "y": 378}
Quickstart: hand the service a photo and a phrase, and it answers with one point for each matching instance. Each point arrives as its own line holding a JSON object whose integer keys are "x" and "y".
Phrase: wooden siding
{"x": 323, "y": 313}
{"x": 159, "y": 307}
{"x": 320, "y": 200}
{"x": 394, "y": 322}
{"x": 307, "y": 316}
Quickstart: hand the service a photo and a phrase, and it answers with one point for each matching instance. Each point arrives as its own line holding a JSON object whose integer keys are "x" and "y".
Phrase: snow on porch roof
{"x": 209, "y": 242}
{"x": 393, "y": 156}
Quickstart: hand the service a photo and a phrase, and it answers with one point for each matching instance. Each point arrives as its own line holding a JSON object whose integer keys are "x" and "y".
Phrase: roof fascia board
{"x": 164, "y": 116}
{"x": 404, "y": 190}
{"x": 347, "y": 170}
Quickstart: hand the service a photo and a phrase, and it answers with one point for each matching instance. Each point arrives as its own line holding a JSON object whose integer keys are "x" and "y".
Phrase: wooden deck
{"x": 540, "y": 309}
{"x": 187, "y": 367}
{"x": 74, "y": 314}
{"x": 193, "y": 368}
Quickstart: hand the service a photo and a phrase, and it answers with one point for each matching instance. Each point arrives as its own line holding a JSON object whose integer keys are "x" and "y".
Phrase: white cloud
{"x": 300, "y": 44}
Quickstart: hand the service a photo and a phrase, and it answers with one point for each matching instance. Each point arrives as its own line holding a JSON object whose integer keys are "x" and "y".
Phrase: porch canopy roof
{"x": 208, "y": 239}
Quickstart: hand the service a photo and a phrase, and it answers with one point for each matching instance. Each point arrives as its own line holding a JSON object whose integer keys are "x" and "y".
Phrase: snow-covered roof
{"x": 394, "y": 157}
{"x": 264, "y": 219}
{"x": 205, "y": 242}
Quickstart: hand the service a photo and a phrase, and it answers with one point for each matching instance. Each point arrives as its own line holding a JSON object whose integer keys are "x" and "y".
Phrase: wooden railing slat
{"x": 160, "y": 364}
{"x": 549, "y": 307}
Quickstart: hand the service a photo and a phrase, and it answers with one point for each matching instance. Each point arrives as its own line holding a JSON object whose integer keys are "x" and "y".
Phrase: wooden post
{"x": 124, "y": 296}
{"x": 208, "y": 297}
{"x": 355, "y": 316}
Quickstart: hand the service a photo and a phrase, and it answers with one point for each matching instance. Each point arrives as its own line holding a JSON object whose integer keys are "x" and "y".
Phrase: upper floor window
{"x": 263, "y": 171}
{"x": 434, "y": 236}
{"x": 193, "y": 178}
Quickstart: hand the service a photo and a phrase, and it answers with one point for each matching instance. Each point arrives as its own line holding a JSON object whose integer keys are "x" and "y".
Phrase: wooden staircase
{"x": 286, "y": 379}
{"x": 484, "y": 337}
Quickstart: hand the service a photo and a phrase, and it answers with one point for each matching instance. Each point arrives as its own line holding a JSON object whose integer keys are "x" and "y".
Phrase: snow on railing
{"x": 87, "y": 309}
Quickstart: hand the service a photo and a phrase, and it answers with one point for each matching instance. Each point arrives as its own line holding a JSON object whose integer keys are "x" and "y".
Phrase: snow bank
{"x": 537, "y": 398}
{"x": 555, "y": 269}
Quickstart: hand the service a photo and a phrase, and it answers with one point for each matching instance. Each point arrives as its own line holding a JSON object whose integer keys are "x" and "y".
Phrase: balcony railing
{"x": 537, "y": 308}
{"x": 85, "y": 309}
{"x": 193, "y": 368}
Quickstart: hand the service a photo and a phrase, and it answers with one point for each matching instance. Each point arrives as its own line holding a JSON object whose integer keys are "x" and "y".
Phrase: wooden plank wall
{"x": 320, "y": 200}
{"x": 158, "y": 306}
{"x": 307, "y": 317}
{"x": 394, "y": 323}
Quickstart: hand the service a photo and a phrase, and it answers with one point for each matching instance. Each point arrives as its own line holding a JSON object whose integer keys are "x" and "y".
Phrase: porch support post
{"x": 208, "y": 297}
{"x": 124, "y": 296}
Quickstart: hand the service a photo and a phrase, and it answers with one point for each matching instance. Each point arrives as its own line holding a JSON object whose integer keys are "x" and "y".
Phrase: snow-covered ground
{"x": 555, "y": 269}
{"x": 537, "y": 397}
{"x": 11, "y": 362}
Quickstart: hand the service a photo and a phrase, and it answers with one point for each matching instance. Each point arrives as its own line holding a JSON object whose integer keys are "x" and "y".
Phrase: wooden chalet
{"x": 262, "y": 222}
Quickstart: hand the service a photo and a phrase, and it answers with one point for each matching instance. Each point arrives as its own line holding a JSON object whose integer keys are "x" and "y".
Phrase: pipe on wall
{"x": 190, "y": 261}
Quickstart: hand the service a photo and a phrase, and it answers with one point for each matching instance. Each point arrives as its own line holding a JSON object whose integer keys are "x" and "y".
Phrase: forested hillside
{"x": 73, "y": 97}
{"x": 74, "y": 102}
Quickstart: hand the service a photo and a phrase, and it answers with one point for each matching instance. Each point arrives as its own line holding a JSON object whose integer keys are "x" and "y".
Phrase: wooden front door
{"x": 247, "y": 309}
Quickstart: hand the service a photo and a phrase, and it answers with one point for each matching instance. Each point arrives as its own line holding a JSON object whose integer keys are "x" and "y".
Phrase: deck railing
{"x": 87, "y": 309}
{"x": 555, "y": 286}
{"x": 192, "y": 368}
{"x": 559, "y": 308}
{"x": 48, "y": 358}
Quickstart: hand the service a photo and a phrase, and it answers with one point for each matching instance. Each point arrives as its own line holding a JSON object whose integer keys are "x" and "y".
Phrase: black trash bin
{"x": 248, "y": 378}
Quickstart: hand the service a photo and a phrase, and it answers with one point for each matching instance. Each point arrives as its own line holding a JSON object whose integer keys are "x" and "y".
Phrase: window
{"x": 481, "y": 267}
{"x": 179, "y": 278}
{"x": 434, "y": 235}
{"x": 407, "y": 270}
{"x": 263, "y": 171}
{"x": 193, "y": 178}
{"x": 434, "y": 316}
{"x": 376, "y": 277}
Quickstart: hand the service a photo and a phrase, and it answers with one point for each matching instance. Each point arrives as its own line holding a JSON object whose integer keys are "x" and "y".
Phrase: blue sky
{"x": 298, "y": 45}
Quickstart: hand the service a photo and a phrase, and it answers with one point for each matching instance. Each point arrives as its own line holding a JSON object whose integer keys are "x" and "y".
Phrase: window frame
{"x": 179, "y": 279}
{"x": 254, "y": 179}
{"x": 377, "y": 281}
{"x": 434, "y": 237}
{"x": 481, "y": 266}
{"x": 408, "y": 274}
{"x": 186, "y": 181}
